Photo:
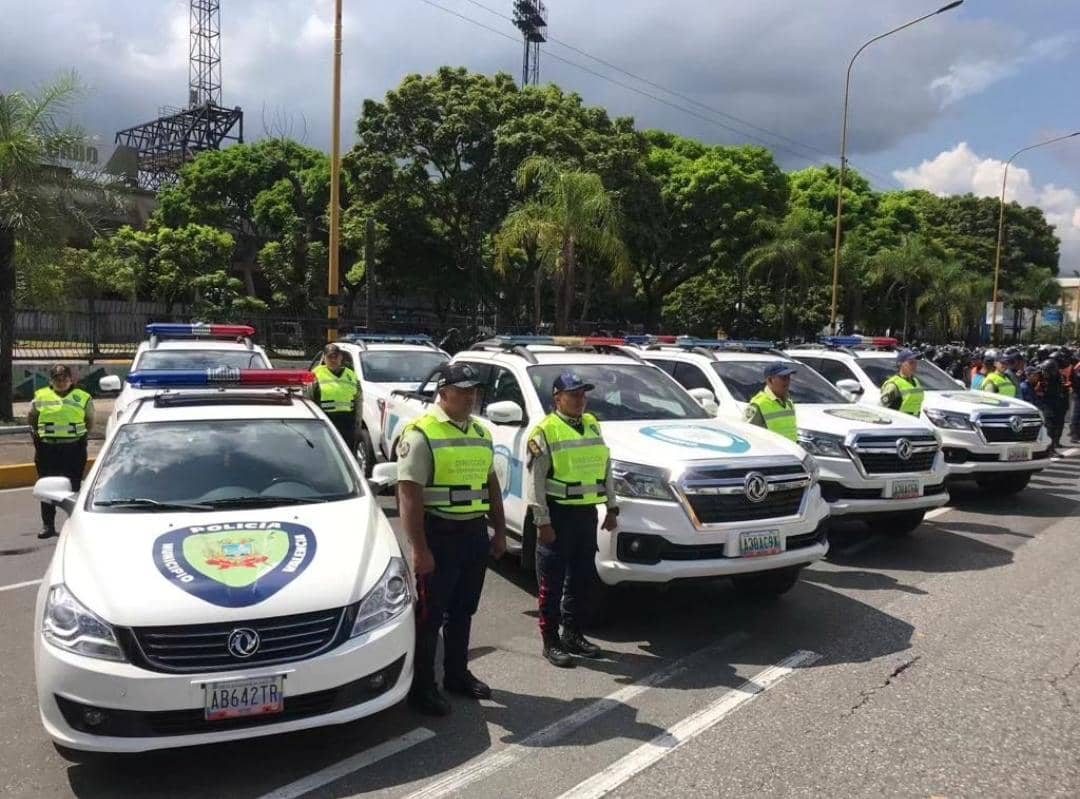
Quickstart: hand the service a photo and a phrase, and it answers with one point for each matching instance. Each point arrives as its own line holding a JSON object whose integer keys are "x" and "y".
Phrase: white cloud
{"x": 961, "y": 170}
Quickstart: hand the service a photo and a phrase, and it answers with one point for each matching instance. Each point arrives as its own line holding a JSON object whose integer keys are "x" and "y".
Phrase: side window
{"x": 690, "y": 376}
{"x": 667, "y": 366}
{"x": 834, "y": 371}
{"x": 503, "y": 387}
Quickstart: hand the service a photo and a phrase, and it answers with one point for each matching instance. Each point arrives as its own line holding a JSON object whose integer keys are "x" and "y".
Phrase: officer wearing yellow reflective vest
{"x": 569, "y": 476}
{"x": 447, "y": 495}
{"x": 337, "y": 390}
{"x": 903, "y": 391}
{"x": 1001, "y": 380}
{"x": 60, "y": 418}
{"x": 771, "y": 407}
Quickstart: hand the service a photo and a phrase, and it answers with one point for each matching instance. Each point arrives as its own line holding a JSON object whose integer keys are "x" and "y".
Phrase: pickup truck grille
{"x": 880, "y": 454}
{"x": 717, "y": 495}
{"x": 999, "y": 428}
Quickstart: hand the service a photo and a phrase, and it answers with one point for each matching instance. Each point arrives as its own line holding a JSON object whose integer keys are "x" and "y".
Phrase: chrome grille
{"x": 998, "y": 428}
{"x": 878, "y": 454}
{"x": 202, "y": 647}
{"x": 715, "y": 494}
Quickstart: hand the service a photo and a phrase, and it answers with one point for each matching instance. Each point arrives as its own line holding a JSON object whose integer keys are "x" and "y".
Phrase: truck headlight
{"x": 948, "y": 421}
{"x": 812, "y": 469}
{"x": 71, "y": 626}
{"x": 638, "y": 481}
{"x": 822, "y": 444}
{"x": 390, "y": 597}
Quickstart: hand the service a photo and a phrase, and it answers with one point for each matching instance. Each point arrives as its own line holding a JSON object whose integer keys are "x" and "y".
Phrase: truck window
{"x": 834, "y": 371}
{"x": 504, "y": 387}
{"x": 690, "y": 376}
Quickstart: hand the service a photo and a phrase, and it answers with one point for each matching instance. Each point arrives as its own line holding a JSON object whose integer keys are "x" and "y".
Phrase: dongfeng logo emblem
{"x": 243, "y": 642}
{"x": 1016, "y": 424}
{"x": 903, "y": 449}
{"x": 756, "y": 487}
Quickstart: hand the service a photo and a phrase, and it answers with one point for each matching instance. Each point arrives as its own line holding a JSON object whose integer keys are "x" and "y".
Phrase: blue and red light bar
{"x": 719, "y": 344}
{"x": 859, "y": 341}
{"x": 198, "y": 330}
{"x": 650, "y": 338}
{"x": 221, "y": 376}
{"x": 389, "y": 338}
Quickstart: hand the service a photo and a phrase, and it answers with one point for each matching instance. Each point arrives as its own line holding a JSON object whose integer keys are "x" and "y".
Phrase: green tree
{"x": 953, "y": 300}
{"x": 902, "y": 271}
{"x": 1033, "y": 291}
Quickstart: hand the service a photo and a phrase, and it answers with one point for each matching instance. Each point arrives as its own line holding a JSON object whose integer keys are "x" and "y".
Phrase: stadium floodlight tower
{"x": 530, "y": 16}
{"x": 178, "y": 135}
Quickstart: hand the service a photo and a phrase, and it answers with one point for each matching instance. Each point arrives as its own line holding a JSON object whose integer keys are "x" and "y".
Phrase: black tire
{"x": 767, "y": 584}
{"x": 1004, "y": 482}
{"x": 365, "y": 452}
{"x": 899, "y": 523}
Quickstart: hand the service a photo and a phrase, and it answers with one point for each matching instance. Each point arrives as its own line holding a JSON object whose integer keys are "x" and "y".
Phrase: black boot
{"x": 428, "y": 700}
{"x": 48, "y": 531}
{"x": 555, "y": 654}
{"x": 467, "y": 686}
{"x": 576, "y": 644}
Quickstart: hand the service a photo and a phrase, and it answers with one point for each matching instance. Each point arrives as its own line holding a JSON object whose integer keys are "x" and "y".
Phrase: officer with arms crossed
{"x": 569, "y": 475}
{"x": 903, "y": 391}
{"x": 447, "y": 492}
{"x": 771, "y": 408}
{"x": 1001, "y": 381}
{"x": 337, "y": 391}
{"x": 61, "y": 416}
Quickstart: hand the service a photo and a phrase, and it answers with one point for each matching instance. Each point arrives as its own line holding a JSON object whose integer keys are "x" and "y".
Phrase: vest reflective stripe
{"x": 461, "y": 462}
{"x": 779, "y": 417}
{"x": 579, "y": 461}
{"x": 61, "y": 418}
{"x": 911, "y": 394}
{"x": 337, "y": 393}
{"x": 1005, "y": 386}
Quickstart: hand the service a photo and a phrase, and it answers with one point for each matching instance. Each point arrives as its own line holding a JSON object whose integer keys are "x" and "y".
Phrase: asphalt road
{"x": 942, "y": 664}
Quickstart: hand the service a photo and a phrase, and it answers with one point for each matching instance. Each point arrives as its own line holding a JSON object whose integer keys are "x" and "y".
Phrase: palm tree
{"x": 569, "y": 210}
{"x": 793, "y": 249}
{"x": 903, "y": 270}
{"x": 952, "y": 299}
{"x": 35, "y": 207}
{"x": 1035, "y": 290}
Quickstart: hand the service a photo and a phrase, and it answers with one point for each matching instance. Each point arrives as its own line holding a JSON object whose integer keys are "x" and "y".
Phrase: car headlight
{"x": 390, "y": 597}
{"x": 71, "y": 626}
{"x": 822, "y": 444}
{"x": 948, "y": 421}
{"x": 812, "y": 469}
{"x": 638, "y": 481}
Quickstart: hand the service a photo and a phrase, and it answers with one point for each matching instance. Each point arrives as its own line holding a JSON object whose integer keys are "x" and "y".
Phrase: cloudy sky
{"x": 938, "y": 106}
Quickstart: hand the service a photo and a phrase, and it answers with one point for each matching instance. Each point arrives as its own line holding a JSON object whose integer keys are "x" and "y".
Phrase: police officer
{"x": 771, "y": 407}
{"x": 904, "y": 391}
{"x": 337, "y": 391}
{"x": 569, "y": 476}
{"x": 447, "y": 494}
{"x": 1001, "y": 381}
{"x": 60, "y": 418}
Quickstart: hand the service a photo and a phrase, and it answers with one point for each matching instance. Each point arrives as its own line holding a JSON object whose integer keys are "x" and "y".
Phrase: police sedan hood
{"x": 670, "y": 442}
{"x": 149, "y": 569}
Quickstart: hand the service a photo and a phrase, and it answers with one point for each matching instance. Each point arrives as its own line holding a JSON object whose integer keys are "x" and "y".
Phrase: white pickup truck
{"x": 878, "y": 465}
{"x": 998, "y": 441}
{"x": 699, "y": 497}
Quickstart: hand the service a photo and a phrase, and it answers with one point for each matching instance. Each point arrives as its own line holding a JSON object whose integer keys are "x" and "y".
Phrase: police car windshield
{"x": 221, "y": 463}
{"x": 624, "y": 392}
{"x": 201, "y": 359}
{"x": 399, "y": 366}
{"x": 933, "y": 379}
{"x": 744, "y": 379}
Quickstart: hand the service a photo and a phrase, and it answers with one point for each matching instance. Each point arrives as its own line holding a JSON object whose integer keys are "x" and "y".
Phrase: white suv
{"x": 880, "y": 465}
{"x": 384, "y": 363}
{"x": 999, "y": 441}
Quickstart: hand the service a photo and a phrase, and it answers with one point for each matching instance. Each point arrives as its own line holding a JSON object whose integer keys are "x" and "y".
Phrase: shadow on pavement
{"x": 931, "y": 549}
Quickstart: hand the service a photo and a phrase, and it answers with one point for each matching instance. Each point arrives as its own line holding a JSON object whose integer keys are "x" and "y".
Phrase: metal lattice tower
{"x": 164, "y": 145}
{"x": 530, "y": 16}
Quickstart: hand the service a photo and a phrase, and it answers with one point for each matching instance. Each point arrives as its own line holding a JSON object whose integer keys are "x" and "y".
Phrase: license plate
{"x": 239, "y": 698}
{"x": 904, "y": 489}
{"x": 754, "y": 545}
{"x": 1018, "y": 454}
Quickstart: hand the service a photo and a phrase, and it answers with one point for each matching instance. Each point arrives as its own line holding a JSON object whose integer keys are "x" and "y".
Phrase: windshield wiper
{"x": 152, "y": 504}
{"x": 242, "y": 502}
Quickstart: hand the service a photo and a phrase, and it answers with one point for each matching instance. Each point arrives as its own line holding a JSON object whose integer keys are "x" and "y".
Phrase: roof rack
{"x": 159, "y": 331}
{"x": 364, "y": 339}
{"x": 710, "y": 347}
{"x": 177, "y": 399}
{"x": 519, "y": 345}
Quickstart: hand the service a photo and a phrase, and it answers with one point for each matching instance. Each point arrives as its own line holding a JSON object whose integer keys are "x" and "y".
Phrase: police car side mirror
{"x": 850, "y": 386}
{"x": 706, "y": 399}
{"x": 56, "y": 491}
{"x": 383, "y": 478}
{"x": 960, "y": 383}
{"x": 109, "y": 383}
{"x": 505, "y": 412}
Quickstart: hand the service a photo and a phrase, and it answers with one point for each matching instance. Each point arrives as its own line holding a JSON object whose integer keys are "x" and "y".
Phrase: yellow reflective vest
{"x": 462, "y": 462}
{"x": 61, "y": 418}
{"x": 337, "y": 393}
{"x": 579, "y": 461}
{"x": 779, "y": 415}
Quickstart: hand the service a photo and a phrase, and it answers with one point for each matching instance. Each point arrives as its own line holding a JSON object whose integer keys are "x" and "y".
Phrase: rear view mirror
{"x": 109, "y": 383}
{"x": 850, "y": 386}
{"x": 961, "y": 384}
{"x": 383, "y": 478}
{"x": 505, "y": 412}
{"x": 706, "y": 399}
{"x": 56, "y": 491}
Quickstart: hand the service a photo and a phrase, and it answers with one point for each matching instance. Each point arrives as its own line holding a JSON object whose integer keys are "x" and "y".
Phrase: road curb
{"x": 23, "y": 475}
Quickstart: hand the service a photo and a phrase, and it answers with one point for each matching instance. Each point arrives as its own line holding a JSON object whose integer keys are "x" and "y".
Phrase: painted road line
{"x": 13, "y": 586}
{"x": 547, "y": 736}
{"x": 1071, "y": 451}
{"x": 933, "y": 514}
{"x": 688, "y": 729}
{"x": 351, "y": 764}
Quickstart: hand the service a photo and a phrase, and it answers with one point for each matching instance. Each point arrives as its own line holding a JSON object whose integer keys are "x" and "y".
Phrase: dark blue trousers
{"x": 564, "y": 568}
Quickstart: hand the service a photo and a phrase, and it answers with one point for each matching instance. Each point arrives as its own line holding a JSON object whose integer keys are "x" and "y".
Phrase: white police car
{"x": 998, "y": 441}
{"x": 225, "y": 573}
{"x": 876, "y": 464}
{"x": 185, "y": 346}
{"x": 699, "y": 497}
{"x": 384, "y": 362}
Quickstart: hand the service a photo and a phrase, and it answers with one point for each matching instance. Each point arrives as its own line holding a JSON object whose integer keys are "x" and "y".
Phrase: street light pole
{"x": 334, "y": 276}
{"x": 1076, "y": 310}
{"x": 1001, "y": 230}
{"x": 843, "y": 149}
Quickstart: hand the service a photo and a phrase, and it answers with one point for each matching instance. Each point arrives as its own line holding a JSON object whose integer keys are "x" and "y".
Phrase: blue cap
{"x": 458, "y": 375}
{"x": 779, "y": 369}
{"x": 906, "y": 355}
{"x": 569, "y": 381}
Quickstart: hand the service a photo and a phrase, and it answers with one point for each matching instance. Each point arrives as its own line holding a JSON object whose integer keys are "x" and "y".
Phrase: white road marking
{"x": 937, "y": 512}
{"x": 1071, "y": 451}
{"x": 13, "y": 586}
{"x": 350, "y": 764}
{"x": 547, "y": 736}
{"x": 682, "y": 732}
